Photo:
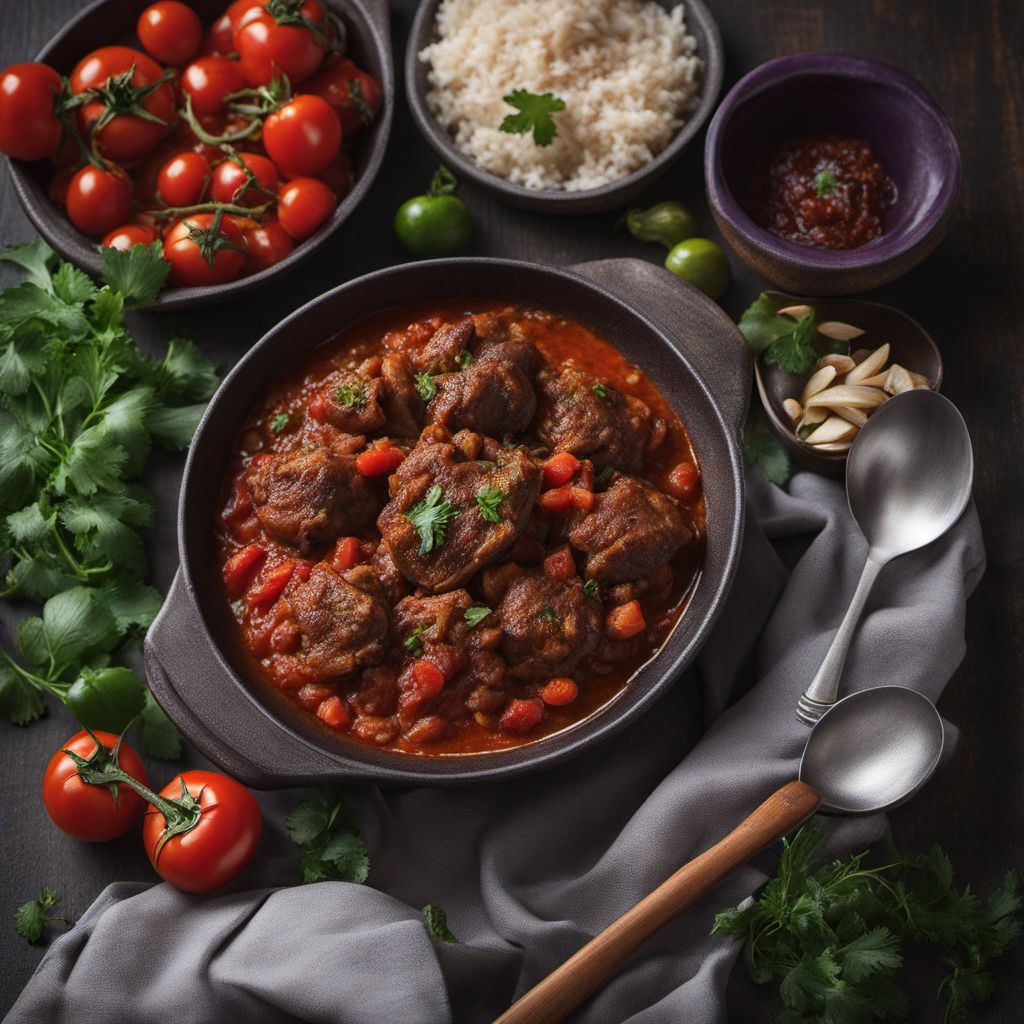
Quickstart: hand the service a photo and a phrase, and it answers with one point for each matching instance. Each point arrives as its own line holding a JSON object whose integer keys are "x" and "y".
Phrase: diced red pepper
{"x": 347, "y": 553}
{"x": 557, "y": 501}
{"x": 560, "y": 565}
{"x": 379, "y": 461}
{"x": 684, "y": 482}
{"x": 626, "y": 620}
{"x": 560, "y": 469}
{"x": 521, "y": 715}
{"x": 241, "y": 567}
{"x": 335, "y": 713}
{"x": 559, "y": 692}
{"x": 269, "y": 588}
{"x": 429, "y": 679}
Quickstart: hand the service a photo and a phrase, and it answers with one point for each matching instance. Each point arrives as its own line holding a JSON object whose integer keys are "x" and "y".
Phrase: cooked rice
{"x": 625, "y": 68}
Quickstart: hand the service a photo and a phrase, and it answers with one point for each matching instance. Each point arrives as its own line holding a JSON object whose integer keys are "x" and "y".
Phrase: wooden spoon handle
{"x": 554, "y": 998}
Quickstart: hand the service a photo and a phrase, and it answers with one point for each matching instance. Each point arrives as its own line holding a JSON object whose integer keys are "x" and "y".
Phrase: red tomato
{"x": 86, "y": 810}
{"x": 99, "y": 200}
{"x": 560, "y": 469}
{"x": 684, "y": 482}
{"x": 182, "y": 180}
{"x": 29, "y": 129}
{"x": 559, "y": 692}
{"x": 170, "y": 32}
{"x": 267, "y": 243}
{"x": 521, "y": 715}
{"x": 353, "y": 94}
{"x": 205, "y": 249}
{"x": 268, "y": 49}
{"x": 245, "y": 181}
{"x": 126, "y": 136}
{"x": 303, "y": 136}
{"x": 379, "y": 461}
{"x": 338, "y": 176}
{"x": 208, "y": 80}
{"x": 59, "y": 184}
{"x": 127, "y": 235}
{"x": 218, "y": 845}
{"x": 303, "y": 206}
{"x": 219, "y": 39}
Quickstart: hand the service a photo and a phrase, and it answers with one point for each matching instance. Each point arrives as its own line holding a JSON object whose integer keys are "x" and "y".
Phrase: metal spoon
{"x": 871, "y": 751}
{"x": 908, "y": 480}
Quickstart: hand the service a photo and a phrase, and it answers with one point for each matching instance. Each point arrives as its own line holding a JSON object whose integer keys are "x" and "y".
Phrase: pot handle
{"x": 197, "y": 690}
{"x": 727, "y": 370}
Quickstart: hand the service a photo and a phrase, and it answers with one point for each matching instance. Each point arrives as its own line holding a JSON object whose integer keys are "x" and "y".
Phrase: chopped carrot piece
{"x": 626, "y": 620}
{"x": 347, "y": 553}
{"x": 271, "y": 585}
{"x": 335, "y": 713}
{"x": 560, "y": 469}
{"x": 241, "y": 567}
{"x": 558, "y": 692}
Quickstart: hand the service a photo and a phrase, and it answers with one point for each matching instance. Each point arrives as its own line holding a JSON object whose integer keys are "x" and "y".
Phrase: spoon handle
{"x": 554, "y": 998}
{"x": 824, "y": 688}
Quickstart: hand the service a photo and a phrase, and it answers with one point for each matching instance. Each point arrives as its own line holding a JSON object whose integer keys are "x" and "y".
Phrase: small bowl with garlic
{"x": 825, "y": 365}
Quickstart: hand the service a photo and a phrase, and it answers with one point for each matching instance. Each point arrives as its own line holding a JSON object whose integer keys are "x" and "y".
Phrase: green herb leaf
{"x": 430, "y": 518}
{"x": 547, "y": 613}
{"x": 413, "y": 643}
{"x": 426, "y": 386}
{"x": 37, "y": 258}
{"x": 795, "y": 352}
{"x": 592, "y": 588}
{"x": 186, "y": 375}
{"x": 793, "y": 345}
{"x": 534, "y": 115}
{"x": 279, "y": 422}
{"x": 601, "y": 390}
{"x": 476, "y": 614}
{"x": 31, "y": 917}
{"x": 765, "y": 452}
{"x": 825, "y": 183}
{"x": 324, "y": 827}
{"x": 437, "y": 923}
{"x": 106, "y": 698}
{"x": 175, "y": 426}
{"x": 488, "y": 501}
{"x": 20, "y": 701}
{"x": 464, "y": 360}
{"x": 351, "y": 395}
{"x": 159, "y": 737}
{"x": 137, "y": 274}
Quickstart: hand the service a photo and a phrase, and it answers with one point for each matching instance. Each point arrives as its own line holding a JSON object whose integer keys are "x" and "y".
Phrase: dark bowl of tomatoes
{"x": 206, "y": 147}
{"x": 831, "y": 174}
{"x": 199, "y": 658}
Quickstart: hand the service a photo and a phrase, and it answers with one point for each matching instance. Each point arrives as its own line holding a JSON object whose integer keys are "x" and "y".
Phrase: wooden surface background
{"x": 968, "y": 53}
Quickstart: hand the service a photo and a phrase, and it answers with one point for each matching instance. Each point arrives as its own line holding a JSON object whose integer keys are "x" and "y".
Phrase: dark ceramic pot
{"x": 108, "y": 21}
{"x": 829, "y": 93}
{"x": 684, "y": 342}
{"x": 699, "y": 24}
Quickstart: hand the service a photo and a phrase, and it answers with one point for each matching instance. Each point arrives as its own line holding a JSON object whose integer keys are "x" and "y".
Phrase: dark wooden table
{"x": 966, "y": 294}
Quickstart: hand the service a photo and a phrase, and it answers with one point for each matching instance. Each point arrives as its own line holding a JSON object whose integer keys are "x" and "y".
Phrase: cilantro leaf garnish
{"x": 31, "y": 918}
{"x": 601, "y": 390}
{"x": 464, "y": 360}
{"x": 592, "y": 588}
{"x": 475, "y": 615}
{"x": 437, "y": 923}
{"x": 413, "y": 643}
{"x": 350, "y": 395}
{"x": 793, "y": 345}
{"x": 430, "y": 518}
{"x": 547, "y": 613}
{"x": 825, "y": 183}
{"x": 765, "y": 452}
{"x": 324, "y": 827}
{"x": 534, "y": 115}
{"x": 488, "y": 501}
{"x": 279, "y": 422}
{"x": 426, "y": 386}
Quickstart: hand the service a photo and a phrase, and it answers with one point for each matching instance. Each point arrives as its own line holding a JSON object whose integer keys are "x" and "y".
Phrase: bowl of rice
{"x": 638, "y": 79}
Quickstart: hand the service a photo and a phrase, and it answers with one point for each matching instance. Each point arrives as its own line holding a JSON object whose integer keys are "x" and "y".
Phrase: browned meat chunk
{"x": 441, "y": 352}
{"x": 352, "y": 403}
{"x": 632, "y": 530}
{"x": 582, "y": 414}
{"x": 448, "y": 497}
{"x": 308, "y": 497}
{"x": 548, "y": 625}
{"x": 342, "y": 621}
{"x": 394, "y": 583}
{"x": 441, "y": 618}
{"x": 403, "y": 407}
{"x": 492, "y": 398}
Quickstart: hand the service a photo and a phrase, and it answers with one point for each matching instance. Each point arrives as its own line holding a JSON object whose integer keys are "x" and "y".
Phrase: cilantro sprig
{"x": 31, "y": 918}
{"x": 763, "y": 451}
{"x": 488, "y": 501}
{"x": 534, "y": 115}
{"x": 430, "y": 518}
{"x": 476, "y": 614}
{"x": 792, "y": 345}
{"x": 426, "y": 386}
{"x": 80, "y": 409}
{"x": 436, "y": 921}
{"x": 825, "y": 183}
{"x": 324, "y": 827}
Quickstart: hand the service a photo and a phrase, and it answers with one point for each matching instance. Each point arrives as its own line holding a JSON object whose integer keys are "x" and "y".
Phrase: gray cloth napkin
{"x": 530, "y": 869}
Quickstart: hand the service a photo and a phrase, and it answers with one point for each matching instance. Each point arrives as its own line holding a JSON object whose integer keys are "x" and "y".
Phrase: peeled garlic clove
{"x": 838, "y": 331}
{"x": 873, "y": 382}
{"x": 919, "y": 380}
{"x": 897, "y": 380}
{"x": 870, "y": 366}
{"x": 797, "y": 312}
{"x": 842, "y": 364}
{"x": 854, "y": 396}
{"x": 794, "y": 410}
{"x": 835, "y": 428}
{"x": 818, "y": 381}
{"x": 811, "y": 420}
{"x": 834, "y": 446}
{"x": 854, "y": 416}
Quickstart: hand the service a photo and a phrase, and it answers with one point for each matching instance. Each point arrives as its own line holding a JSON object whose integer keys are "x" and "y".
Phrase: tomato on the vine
{"x": 99, "y": 199}
{"x": 170, "y": 31}
{"x": 268, "y": 243}
{"x": 183, "y": 179}
{"x": 303, "y": 205}
{"x": 207, "y": 80}
{"x": 285, "y": 39}
{"x": 246, "y": 179}
{"x": 129, "y": 235}
{"x": 303, "y": 136}
{"x": 205, "y": 248}
{"x": 211, "y": 834}
{"x": 354, "y": 94}
{"x": 29, "y": 128}
{"x": 85, "y": 810}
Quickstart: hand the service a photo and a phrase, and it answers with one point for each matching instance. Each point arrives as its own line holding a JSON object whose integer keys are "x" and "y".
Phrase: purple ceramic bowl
{"x": 830, "y": 93}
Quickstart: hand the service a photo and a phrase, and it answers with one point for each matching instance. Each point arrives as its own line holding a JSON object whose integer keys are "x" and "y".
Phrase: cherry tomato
{"x": 208, "y": 80}
{"x": 204, "y": 250}
{"x": 302, "y": 137}
{"x": 29, "y": 129}
{"x": 170, "y": 32}
{"x": 221, "y": 842}
{"x": 99, "y": 200}
{"x": 268, "y": 49}
{"x": 267, "y": 243}
{"x": 182, "y": 180}
{"x": 59, "y": 184}
{"x": 233, "y": 180}
{"x": 353, "y": 94}
{"x": 126, "y": 136}
{"x": 127, "y": 235}
{"x": 219, "y": 39}
{"x": 86, "y": 810}
{"x": 338, "y": 176}
{"x": 303, "y": 206}
{"x": 428, "y": 678}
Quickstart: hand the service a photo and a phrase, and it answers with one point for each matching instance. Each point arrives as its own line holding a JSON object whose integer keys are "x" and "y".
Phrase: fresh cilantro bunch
{"x": 833, "y": 936}
{"x": 793, "y": 345}
{"x": 80, "y": 408}
{"x": 325, "y": 828}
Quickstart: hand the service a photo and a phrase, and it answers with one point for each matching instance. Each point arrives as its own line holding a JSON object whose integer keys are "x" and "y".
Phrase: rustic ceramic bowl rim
{"x": 422, "y": 32}
{"x": 766, "y": 77}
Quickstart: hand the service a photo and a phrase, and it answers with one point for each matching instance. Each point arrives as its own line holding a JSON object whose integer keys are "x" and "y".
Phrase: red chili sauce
{"x": 829, "y": 192}
{"x": 555, "y": 603}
